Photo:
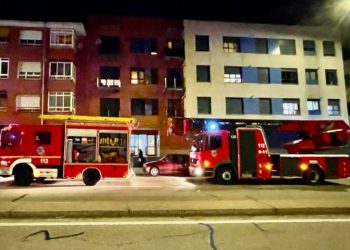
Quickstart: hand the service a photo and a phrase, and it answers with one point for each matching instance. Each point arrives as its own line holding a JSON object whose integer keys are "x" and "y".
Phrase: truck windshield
{"x": 198, "y": 143}
{"x": 206, "y": 142}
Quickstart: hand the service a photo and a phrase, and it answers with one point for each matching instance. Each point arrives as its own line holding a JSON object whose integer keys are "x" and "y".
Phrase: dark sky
{"x": 261, "y": 11}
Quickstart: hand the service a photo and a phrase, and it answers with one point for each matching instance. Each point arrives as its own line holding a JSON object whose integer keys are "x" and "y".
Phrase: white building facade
{"x": 244, "y": 71}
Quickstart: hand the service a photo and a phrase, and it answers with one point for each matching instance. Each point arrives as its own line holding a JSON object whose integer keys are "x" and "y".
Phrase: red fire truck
{"x": 321, "y": 151}
{"x": 84, "y": 147}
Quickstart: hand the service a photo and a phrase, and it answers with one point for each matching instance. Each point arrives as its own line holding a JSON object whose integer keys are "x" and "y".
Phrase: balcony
{"x": 108, "y": 83}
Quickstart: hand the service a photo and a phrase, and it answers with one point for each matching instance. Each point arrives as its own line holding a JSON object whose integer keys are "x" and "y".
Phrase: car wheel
{"x": 154, "y": 171}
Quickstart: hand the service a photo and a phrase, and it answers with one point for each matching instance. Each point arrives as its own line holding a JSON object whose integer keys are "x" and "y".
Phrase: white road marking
{"x": 172, "y": 222}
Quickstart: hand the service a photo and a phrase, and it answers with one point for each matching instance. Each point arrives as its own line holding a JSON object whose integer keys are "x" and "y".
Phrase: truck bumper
{"x": 198, "y": 171}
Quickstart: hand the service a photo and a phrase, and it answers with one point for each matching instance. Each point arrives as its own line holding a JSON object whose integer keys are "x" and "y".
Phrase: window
{"x": 311, "y": 76}
{"x": 204, "y": 105}
{"x": 28, "y": 103}
{"x": 331, "y": 77}
{"x": 4, "y": 35}
{"x": 144, "y": 141}
{"x": 328, "y": 48}
{"x": 61, "y": 102}
{"x": 137, "y": 75}
{"x": 264, "y": 106}
{"x": 144, "y": 45}
{"x": 203, "y": 73}
{"x": 313, "y": 106}
{"x": 108, "y": 45}
{"x": 4, "y": 68}
{"x": 42, "y": 137}
{"x": 109, "y": 77}
{"x": 174, "y": 108}
{"x": 29, "y": 70}
{"x": 141, "y": 75}
{"x": 291, "y": 107}
{"x": 144, "y": 106}
{"x": 333, "y": 107}
{"x": 263, "y": 75}
{"x": 112, "y": 146}
{"x": 232, "y": 74}
{"x": 175, "y": 48}
{"x": 261, "y": 45}
{"x": 309, "y": 47}
{"x": 3, "y": 100}
{"x": 287, "y": 47}
{"x": 231, "y": 44}
{"x": 289, "y": 76}
{"x": 202, "y": 43}
{"x": 62, "y": 70}
{"x": 234, "y": 106}
{"x": 31, "y": 37}
{"x": 174, "y": 79}
{"x": 213, "y": 142}
{"x": 109, "y": 107}
{"x": 62, "y": 38}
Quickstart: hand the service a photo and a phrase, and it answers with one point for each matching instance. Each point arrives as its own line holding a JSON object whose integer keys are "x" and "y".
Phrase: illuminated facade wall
{"x": 262, "y": 72}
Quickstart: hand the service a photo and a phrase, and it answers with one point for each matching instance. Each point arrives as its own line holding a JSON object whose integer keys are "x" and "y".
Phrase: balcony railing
{"x": 173, "y": 83}
{"x": 108, "y": 83}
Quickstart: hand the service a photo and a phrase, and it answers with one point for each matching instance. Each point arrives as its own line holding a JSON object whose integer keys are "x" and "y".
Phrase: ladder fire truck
{"x": 83, "y": 147}
{"x": 321, "y": 151}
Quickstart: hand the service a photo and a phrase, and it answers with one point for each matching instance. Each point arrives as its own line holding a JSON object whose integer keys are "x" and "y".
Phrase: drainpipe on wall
{"x": 43, "y": 63}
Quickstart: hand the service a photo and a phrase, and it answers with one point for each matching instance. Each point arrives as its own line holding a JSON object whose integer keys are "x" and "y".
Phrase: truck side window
{"x": 214, "y": 142}
{"x": 42, "y": 137}
{"x": 10, "y": 138}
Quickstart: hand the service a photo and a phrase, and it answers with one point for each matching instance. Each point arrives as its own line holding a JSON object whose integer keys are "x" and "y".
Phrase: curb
{"x": 172, "y": 213}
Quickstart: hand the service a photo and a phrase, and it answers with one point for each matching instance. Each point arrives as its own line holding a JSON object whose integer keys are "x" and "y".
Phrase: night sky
{"x": 260, "y": 11}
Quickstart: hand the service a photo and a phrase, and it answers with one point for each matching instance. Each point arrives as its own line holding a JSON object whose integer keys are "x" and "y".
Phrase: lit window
{"x": 232, "y": 74}
{"x": 62, "y": 38}
{"x": 291, "y": 107}
{"x": 333, "y": 107}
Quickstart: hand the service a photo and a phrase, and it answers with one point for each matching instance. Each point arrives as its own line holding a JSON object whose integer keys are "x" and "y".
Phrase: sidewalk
{"x": 224, "y": 201}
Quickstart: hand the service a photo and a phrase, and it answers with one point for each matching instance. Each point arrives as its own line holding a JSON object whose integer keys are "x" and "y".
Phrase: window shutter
{"x": 30, "y": 35}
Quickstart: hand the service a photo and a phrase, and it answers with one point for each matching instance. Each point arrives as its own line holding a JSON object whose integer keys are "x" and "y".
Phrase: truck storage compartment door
{"x": 247, "y": 150}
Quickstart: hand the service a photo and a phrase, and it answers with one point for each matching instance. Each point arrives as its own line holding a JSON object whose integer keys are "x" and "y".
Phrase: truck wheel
{"x": 91, "y": 177}
{"x": 154, "y": 171}
{"x": 313, "y": 176}
{"x": 225, "y": 176}
{"x": 23, "y": 176}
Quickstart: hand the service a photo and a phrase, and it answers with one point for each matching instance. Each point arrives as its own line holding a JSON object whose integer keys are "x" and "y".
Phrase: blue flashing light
{"x": 213, "y": 126}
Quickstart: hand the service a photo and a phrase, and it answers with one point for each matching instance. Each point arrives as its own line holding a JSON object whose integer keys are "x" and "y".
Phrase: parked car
{"x": 169, "y": 164}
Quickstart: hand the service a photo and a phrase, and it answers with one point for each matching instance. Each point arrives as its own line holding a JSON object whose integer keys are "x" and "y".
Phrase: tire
{"x": 313, "y": 176}
{"x": 91, "y": 177}
{"x": 154, "y": 171}
{"x": 23, "y": 175}
{"x": 225, "y": 176}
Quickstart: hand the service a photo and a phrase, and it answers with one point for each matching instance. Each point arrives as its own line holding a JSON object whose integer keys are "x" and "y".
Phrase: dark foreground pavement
{"x": 78, "y": 201}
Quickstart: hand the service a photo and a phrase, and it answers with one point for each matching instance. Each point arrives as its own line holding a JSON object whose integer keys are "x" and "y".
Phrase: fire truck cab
{"x": 83, "y": 147}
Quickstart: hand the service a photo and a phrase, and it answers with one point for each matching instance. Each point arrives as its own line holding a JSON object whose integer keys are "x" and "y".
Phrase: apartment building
{"x": 133, "y": 67}
{"x": 258, "y": 72}
{"x": 37, "y": 69}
